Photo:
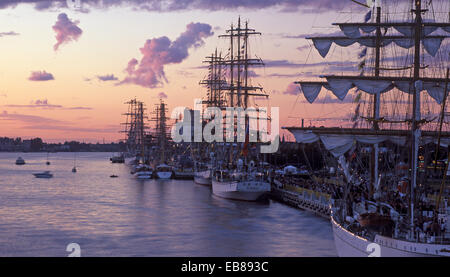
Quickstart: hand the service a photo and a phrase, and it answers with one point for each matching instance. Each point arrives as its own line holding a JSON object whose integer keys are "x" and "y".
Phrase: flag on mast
{"x": 244, "y": 151}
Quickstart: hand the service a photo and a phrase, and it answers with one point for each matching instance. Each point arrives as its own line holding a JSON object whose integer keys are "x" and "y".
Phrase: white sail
{"x": 339, "y": 144}
{"x": 341, "y": 86}
{"x": 430, "y": 43}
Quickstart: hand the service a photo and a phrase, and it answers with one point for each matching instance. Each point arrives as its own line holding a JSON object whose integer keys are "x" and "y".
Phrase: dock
{"x": 305, "y": 199}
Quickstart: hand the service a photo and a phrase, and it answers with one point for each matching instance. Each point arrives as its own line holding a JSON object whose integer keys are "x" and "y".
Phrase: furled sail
{"x": 339, "y": 144}
{"x": 323, "y": 44}
{"x": 341, "y": 85}
{"x": 352, "y": 30}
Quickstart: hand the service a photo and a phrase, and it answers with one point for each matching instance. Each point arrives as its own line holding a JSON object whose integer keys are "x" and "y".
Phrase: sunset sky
{"x": 63, "y": 72}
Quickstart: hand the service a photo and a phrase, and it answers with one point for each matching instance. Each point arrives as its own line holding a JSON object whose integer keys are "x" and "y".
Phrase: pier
{"x": 305, "y": 199}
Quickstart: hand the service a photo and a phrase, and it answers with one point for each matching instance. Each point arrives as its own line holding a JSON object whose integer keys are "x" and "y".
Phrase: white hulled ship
{"x": 237, "y": 179}
{"x": 394, "y": 202}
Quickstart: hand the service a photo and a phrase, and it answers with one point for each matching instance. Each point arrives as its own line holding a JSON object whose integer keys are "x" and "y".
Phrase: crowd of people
{"x": 392, "y": 191}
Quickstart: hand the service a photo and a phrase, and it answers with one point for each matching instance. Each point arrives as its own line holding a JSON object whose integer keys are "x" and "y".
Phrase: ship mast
{"x": 415, "y": 128}
{"x": 135, "y": 126}
{"x": 160, "y": 128}
{"x": 376, "y": 105}
{"x": 239, "y": 88}
{"x": 413, "y": 34}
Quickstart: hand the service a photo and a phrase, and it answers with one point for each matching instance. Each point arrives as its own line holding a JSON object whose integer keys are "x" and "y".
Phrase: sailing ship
{"x": 134, "y": 130}
{"x": 385, "y": 201}
{"x": 162, "y": 170}
{"x": 238, "y": 179}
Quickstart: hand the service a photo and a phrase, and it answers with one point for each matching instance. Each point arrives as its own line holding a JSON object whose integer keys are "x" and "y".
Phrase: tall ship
{"x": 137, "y": 141}
{"x": 215, "y": 83}
{"x": 135, "y": 130}
{"x": 393, "y": 154}
{"x": 240, "y": 178}
{"x": 162, "y": 169}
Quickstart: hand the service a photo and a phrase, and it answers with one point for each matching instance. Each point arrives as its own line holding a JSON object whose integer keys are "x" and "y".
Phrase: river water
{"x": 127, "y": 217}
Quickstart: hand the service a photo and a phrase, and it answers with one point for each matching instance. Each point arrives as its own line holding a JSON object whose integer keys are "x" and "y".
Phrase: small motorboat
{"x": 74, "y": 169}
{"x": 20, "y": 161}
{"x": 45, "y": 174}
{"x": 118, "y": 159}
{"x": 113, "y": 176}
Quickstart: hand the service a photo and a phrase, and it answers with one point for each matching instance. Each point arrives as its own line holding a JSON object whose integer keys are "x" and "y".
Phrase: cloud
{"x": 68, "y": 128}
{"x": 28, "y": 118}
{"x": 44, "y": 104}
{"x": 158, "y": 52}
{"x": 281, "y": 75}
{"x": 292, "y": 89}
{"x": 184, "y": 5}
{"x": 11, "y": 33}
{"x": 303, "y": 47}
{"x": 107, "y": 77}
{"x": 41, "y": 76}
{"x": 282, "y": 63}
{"x": 162, "y": 95}
{"x": 335, "y": 33}
{"x": 66, "y": 30}
{"x": 35, "y": 122}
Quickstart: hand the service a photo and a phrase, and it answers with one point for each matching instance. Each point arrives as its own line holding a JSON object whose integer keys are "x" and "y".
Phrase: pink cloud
{"x": 41, "y": 76}
{"x": 66, "y": 30}
{"x": 158, "y": 52}
{"x": 162, "y": 95}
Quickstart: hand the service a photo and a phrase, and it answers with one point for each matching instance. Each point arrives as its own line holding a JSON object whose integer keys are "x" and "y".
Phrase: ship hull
{"x": 350, "y": 245}
{"x": 144, "y": 175}
{"x": 203, "y": 178}
{"x": 184, "y": 175}
{"x": 164, "y": 174}
{"x": 245, "y": 191}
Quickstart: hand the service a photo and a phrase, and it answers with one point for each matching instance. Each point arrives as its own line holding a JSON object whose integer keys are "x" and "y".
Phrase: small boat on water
{"x": 74, "y": 170}
{"x": 164, "y": 171}
{"x": 120, "y": 159}
{"x": 45, "y": 174}
{"x": 20, "y": 161}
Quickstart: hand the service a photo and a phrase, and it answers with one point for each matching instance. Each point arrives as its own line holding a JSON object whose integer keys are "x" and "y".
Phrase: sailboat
{"x": 239, "y": 180}
{"x": 383, "y": 209}
{"x": 74, "y": 168}
{"x": 47, "y": 162}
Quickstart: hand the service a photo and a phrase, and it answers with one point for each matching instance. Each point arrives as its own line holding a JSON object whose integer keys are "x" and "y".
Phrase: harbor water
{"x": 127, "y": 217}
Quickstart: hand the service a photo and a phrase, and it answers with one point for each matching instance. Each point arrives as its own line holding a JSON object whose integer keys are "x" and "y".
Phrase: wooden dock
{"x": 309, "y": 200}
